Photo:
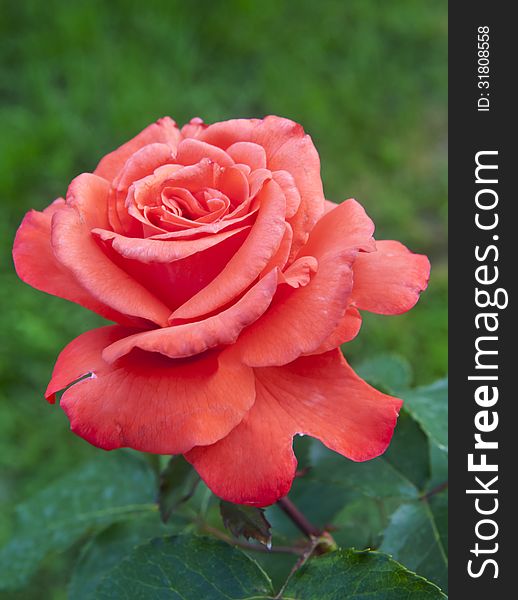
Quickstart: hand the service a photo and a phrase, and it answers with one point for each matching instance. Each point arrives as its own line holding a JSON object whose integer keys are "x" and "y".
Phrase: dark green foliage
{"x": 187, "y": 568}
{"x": 353, "y": 575}
{"x": 106, "y": 490}
{"x": 429, "y": 406}
{"x": 417, "y": 536}
{"x": 388, "y": 372}
{"x": 177, "y": 484}
{"x": 106, "y": 550}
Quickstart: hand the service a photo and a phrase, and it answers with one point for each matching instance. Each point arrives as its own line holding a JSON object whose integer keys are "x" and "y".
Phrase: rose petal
{"x": 261, "y": 244}
{"x": 301, "y": 319}
{"x": 193, "y": 128}
{"x": 327, "y": 400}
{"x": 76, "y": 250}
{"x": 347, "y": 227}
{"x": 329, "y": 206}
{"x": 149, "y": 402}
{"x": 164, "y": 131}
{"x": 287, "y": 148}
{"x": 233, "y": 183}
{"x": 316, "y": 395}
{"x": 280, "y": 258}
{"x": 287, "y": 183}
{"x": 278, "y": 337}
{"x": 82, "y": 357}
{"x": 347, "y": 330}
{"x": 176, "y": 282}
{"x": 191, "y": 152}
{"x": 36, "y": 264}
{"x": 88, "y": 194}
{"x": 141, "y": 164}
{"x": 249, "y": 154}
{"x": 256, "y": 181}
{"x": 255, "y": 463}
{"x": 389, "y": 281}
{"x": 299, "y": 273}
{"x": 147, "y": 191}
{"x": 147, "y": 250}
{"x": 208, "y": 228}
{"x": 194, "y": 338}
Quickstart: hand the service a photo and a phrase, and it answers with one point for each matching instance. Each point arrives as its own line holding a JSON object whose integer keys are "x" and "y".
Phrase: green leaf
{"x": 438, "y": 466}
{"x": 185, "y": 567}
{"x": 388, "y": 372}
{"x": 177, "y": 484}
{"x": 360, "y": 524}
{"x": 429, "y": 407}
{"x": 246, "y": 521}
{"x": 108, "y": 489}
{"x": 106, "y": 550}
{"x": 409, "y": 451}
{"x": 357, "y": 575}
{"x": 374, "y": 479}
{"x": 417, "y": 536}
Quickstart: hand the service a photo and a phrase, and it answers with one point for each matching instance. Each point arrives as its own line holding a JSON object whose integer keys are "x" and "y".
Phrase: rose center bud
{"x": 206, "y": 205}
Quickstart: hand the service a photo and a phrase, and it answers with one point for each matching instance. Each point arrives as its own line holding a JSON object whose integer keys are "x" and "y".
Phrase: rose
{"x": 233, "y": 283}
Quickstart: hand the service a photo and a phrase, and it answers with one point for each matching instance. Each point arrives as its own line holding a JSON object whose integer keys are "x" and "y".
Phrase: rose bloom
{"x": 233, "y": 283}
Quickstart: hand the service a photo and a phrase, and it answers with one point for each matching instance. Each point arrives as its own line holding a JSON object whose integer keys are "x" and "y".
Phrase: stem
{"x": 435, "y": 490}
{"x": 300, "y": 563}
{"x": 248, "y": 546}
{"x": 309, "y": 530}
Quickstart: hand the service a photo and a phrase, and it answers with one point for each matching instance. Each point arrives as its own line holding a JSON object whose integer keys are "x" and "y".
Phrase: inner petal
{"x": 178, "y": 198}
{"x": 183, "y": 201}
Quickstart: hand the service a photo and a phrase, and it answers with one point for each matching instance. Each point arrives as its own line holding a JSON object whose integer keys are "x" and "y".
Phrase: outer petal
{"x": 255, "y": 463}
{"x": 82, "y": 356}
{"x": 347, "y": 330}
{"x": 300, "y": 320}
{"x": 346, "y": 227}
{"x": 88, "y": 194}
{"x": 76, "y": 249}
{"x": 164, "y": 130}
{"x": 389, "y": 281}
{"x": 36, "y": 264}
{"x": 194, "y": 338}
{"x": 327, "y": 400}
{"x": 148, "y": 402}
{"x": 315, "y": 395}
{"x": 256, "y": 251}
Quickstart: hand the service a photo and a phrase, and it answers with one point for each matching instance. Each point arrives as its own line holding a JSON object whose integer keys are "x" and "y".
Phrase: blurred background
{"x": 366, "y": 78}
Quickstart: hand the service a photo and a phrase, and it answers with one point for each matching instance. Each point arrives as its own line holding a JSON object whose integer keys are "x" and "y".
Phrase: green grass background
{"x": 366, "y": 78}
